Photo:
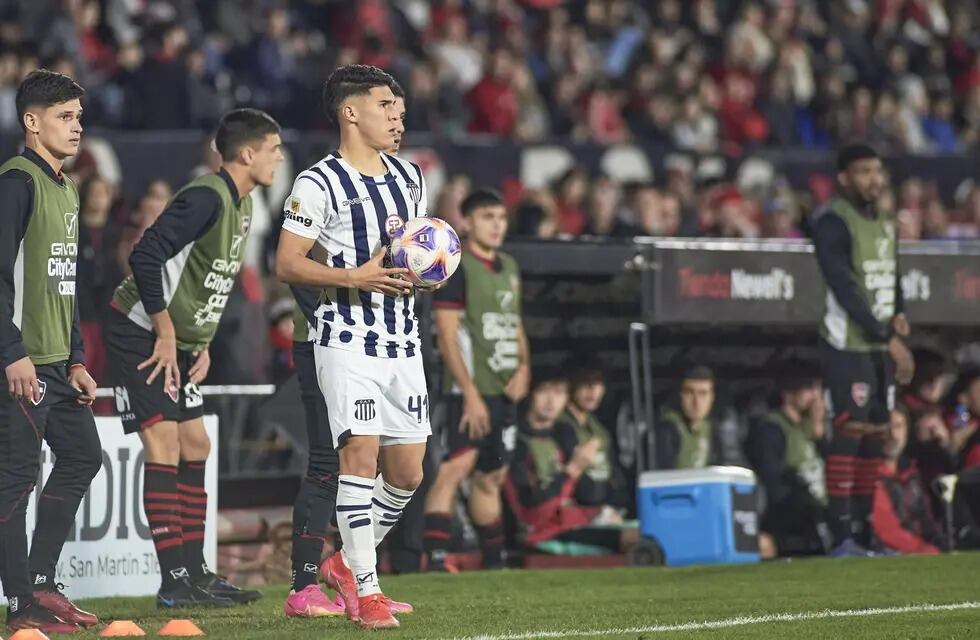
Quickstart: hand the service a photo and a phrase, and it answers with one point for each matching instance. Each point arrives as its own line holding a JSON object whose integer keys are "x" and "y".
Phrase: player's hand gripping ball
{"x": 429, "y": 248}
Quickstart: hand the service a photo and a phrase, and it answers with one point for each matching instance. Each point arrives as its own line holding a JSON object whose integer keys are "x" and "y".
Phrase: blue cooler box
{"x": 700, "y": 516}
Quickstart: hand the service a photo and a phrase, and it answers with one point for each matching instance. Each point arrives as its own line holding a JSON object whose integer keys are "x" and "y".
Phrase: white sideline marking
{"x": 731, "y": 622}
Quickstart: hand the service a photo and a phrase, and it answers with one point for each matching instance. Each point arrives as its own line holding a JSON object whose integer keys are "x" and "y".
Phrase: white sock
{"x": 388, "y": 505}
{"x": 354, "y": 519}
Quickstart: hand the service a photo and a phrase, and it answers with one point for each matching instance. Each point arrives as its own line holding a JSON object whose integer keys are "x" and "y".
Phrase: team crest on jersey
{"x": 42, "y": 387}
{"x": 884, "y": 246}
{"x": 172, "y": 391}
{"x": 71, "y": 224}
{"x": 415, "y": 192}
{"x": 860, "y": 392}
{"x": 506, "y": 300}
{"x": 394, "y": 225}
{"x": 294, "y": 205}
{"x": 246, "y": 223}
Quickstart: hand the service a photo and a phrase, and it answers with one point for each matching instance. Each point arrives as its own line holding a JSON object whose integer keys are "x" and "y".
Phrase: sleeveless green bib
{"x": 46, "y": 266}
{"x": 875, "y": 267}
{"x": 488, "y": 328}
{"x": 198, "y": 280}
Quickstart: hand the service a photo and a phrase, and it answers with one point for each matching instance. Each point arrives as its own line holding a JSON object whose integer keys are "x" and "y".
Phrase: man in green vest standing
{"x": 861, "y": 333}
{"x": 49, "y": 392}
{"x": 486, "y": 361}
{"x": 184, "y": 268}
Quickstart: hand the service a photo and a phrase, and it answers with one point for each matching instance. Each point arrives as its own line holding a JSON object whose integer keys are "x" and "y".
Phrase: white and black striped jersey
{"x": 350, "y": 215}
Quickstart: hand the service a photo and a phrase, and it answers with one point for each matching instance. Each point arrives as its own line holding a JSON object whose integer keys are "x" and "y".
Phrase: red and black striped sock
{"x": 193, "y": 511}
{"x": 492, "y": 543}
{"x": 435, "y": 538}
{"x": 162, "y": 506}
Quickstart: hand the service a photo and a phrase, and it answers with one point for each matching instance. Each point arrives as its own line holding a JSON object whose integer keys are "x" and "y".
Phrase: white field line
{"x": 730, "y": 622}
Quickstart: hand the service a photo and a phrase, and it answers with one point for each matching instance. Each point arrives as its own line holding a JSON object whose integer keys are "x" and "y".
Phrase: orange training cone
{"x": 29, "y": 634}
{"x": 180, "y": 628}
{"x": 122, "y": 628}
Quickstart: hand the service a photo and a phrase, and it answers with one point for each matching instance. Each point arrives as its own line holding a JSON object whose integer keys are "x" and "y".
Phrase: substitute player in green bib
{"x": 49, "y": 392}
{"x": 486, "y": 361}
{"x": 184, "y": 269}
{"x": 861, "y": 336}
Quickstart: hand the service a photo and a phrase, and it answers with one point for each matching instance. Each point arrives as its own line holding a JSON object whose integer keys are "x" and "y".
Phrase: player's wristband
{"x": 77, "y": 364}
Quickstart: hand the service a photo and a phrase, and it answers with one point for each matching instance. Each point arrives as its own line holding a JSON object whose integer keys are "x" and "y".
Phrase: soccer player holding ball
{"x": 367, "y": 349}
{"x": 316, "y": 501}
{"x": 168, "y": 311}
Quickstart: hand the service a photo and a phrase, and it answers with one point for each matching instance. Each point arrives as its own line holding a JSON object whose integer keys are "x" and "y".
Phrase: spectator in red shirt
{"x": 493, "y": 101}
{"x": 901, "y": 517}
{"x": 605, "y": 116}
{"x": 963, "y": 418}
{"x": 571, "y": 190}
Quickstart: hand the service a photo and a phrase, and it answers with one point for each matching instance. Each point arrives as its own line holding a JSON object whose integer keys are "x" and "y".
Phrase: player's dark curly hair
{"x": 352, "y": 80}
{"x": 44, "y": 88}
{"x": 240, "y": 127}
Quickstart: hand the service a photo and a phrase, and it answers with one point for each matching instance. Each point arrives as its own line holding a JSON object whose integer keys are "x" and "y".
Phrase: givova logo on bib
{"x": 220, "y": 280}
{"x": 62, "y": 257}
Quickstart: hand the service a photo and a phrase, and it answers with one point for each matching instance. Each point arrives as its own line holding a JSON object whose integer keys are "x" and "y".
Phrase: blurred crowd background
{"x": 717, "y": 78}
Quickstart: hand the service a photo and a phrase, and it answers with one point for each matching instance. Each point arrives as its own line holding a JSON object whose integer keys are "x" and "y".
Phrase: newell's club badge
{"x": 172, "y": 392}
{"x": 859, "y": 393}
{"x": 246, "y": 223}
{"x": 394, "y": 225}
{"x": 42, "y": 387}
{"x": 415, "y": 192}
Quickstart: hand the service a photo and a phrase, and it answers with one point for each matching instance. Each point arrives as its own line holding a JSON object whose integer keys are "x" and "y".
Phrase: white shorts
{"x": 368, "y": 396}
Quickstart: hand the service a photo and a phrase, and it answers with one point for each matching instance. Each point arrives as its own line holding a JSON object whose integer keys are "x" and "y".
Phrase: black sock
{"x": 435, "y": 539}
{"x": 54, "y": 520}
{"x": 870, "y": 458}
{"x": 492, "y": 543}
{"x": 162, "y": 506}
{"x": 315, "y": 506}
{"x": 841, "y": 474}
{"x": 41, "y": 582}
{"x": 307, "y": 551}
{"x": 193, "y": 511}
{"x": 16, "y": 604}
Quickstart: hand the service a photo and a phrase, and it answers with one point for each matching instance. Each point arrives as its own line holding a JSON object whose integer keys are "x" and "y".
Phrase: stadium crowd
{"x": 706, "y": 76}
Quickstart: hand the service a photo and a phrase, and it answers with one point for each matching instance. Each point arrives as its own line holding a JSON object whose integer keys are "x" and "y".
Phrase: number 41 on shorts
{"x": 416, "y": 404}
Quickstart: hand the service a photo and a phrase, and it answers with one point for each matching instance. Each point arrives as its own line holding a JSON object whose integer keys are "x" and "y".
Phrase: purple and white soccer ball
{"x": 429, "y": 248}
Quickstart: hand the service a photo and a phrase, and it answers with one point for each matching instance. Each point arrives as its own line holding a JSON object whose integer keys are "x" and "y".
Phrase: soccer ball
{"x": 429, "y": 248}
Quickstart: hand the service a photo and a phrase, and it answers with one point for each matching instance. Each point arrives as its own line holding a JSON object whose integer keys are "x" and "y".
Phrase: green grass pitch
{"x": 638, "y": 603}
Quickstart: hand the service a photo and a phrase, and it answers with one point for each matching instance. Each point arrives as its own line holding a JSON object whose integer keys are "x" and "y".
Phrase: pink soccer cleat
{"x": 395, "y": 606}
{"x": 374, "y": 613}
{"x": 311, "y": 602}
{"x": 339, "y": 577}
